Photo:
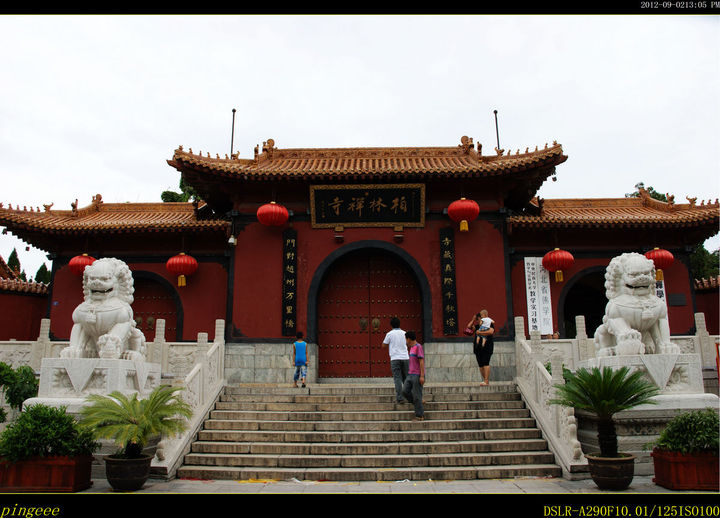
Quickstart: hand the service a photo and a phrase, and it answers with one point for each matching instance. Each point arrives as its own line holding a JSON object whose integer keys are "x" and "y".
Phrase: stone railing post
{"x": 42, "y": 347}
{"x": 161, "y": 353}
{"x": 202, "y": 348}
{"x": 535, "y": 342}
{"x": 219, "y": 331}
{"x": 586, "y": 345}
{"x": 556, "y": 366}
{"x": 519, "y": 328}
{"x": 704, "y": 345}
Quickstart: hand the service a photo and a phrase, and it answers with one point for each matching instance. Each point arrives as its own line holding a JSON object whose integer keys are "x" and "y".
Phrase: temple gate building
{"x": 335, "y": 242}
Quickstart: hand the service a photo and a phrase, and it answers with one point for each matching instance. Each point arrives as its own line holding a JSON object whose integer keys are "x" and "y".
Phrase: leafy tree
{"x": 43, "y": 274}
{"x": 187, "y": 193}
{"x": 17, "y": 385}
{"x": 704, "y": 264}
{"x": 14, "y": 264}
{"x": 650, "y": 190}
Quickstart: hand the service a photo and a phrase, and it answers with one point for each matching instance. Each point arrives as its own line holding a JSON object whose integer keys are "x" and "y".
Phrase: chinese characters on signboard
{"x": 660, "y": 290}
{"x": 367, "y": 205}
{"x": 539, "y": 304}
{"x": 447, "y": 276}
{"x": 289, "y": 280}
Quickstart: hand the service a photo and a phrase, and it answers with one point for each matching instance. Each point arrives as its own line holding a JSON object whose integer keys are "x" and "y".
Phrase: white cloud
{"x": 96, "y": 104}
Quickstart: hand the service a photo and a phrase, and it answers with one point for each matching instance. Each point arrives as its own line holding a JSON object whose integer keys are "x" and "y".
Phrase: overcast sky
{"x": 97, "y": 104}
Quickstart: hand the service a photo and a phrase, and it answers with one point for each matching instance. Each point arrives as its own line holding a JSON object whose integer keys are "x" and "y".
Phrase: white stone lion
{"x": 635, "y": 320}
{"x": 103, "y": 324}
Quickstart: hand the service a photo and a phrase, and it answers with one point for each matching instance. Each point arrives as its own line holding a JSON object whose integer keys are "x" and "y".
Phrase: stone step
{"x": 378, "y": 415}
{"x": 363, "y": 406}
{"x": 359, "y": 460}
{"x": 354, "y": 432}
{"x": 387, "y": 425}
{"x": 369, "y": 448}
{"x": 367, "y": 436}
{"x": 370, "y": 474}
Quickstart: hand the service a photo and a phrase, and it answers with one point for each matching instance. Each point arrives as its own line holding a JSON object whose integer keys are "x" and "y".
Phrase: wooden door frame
{"x": 328, "y": 262}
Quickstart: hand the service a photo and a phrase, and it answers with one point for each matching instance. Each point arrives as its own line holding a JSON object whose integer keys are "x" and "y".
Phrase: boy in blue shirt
{"x": 300, "y": 360}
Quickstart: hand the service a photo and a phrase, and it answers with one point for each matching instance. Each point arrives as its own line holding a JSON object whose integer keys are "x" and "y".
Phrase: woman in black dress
{"x": 484, "y": 352}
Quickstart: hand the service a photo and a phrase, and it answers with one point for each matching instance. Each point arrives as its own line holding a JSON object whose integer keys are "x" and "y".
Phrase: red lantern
{"x": 556, "y": 261}
{"x": 79, "y": 262}
{"x": 182, "y": 265}
{"x": 462, "y": 211}
{"x": 662, "y": 259}
{"x": 272, "y": 214}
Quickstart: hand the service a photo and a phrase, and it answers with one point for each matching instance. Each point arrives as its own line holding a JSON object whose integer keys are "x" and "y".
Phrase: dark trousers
{"x": 399, "y": 370}
{"x": 413, "y": 390}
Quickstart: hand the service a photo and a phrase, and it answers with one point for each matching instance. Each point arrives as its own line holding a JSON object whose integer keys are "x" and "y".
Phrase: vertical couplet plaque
{"x": 447, "y": 275}
{"x": 289, "y": 280}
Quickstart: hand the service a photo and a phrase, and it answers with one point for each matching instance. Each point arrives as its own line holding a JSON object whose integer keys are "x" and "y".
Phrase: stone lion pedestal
{"x": 106, "y": 352}
{"x": 68, "y": 381}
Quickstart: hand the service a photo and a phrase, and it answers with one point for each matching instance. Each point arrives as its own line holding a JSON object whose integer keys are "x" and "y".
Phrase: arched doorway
{"x": 358, "y": 295}
{"x": 154, "y": 299}
{"x": 584, "y": 295}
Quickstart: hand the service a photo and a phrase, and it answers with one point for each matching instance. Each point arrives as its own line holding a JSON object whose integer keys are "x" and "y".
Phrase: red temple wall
{"x": 708, "y": 303}
{"x": 257, "y": 305}
{"x": 203, "y": 299}
{"x": 20, "y": 315}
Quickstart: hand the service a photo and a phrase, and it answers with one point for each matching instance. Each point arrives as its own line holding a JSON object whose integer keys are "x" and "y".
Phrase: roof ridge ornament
{"x": 269, "y": 148}
{"x": 466, "y": 144}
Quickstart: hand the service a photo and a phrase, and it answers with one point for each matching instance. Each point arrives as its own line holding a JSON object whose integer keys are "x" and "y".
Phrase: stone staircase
{"x": 356, "y": 432}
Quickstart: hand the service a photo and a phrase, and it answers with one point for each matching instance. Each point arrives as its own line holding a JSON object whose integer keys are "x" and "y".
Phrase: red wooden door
{"x": 152, "y": 301}
{"x": 358, "y": 297}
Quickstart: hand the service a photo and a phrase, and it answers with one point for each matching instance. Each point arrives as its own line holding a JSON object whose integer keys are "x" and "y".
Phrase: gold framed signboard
{"x": 371, "y": 205}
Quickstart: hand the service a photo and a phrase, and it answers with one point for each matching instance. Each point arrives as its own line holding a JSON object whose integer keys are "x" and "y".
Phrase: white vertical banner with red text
{"x": 539, "y": 303}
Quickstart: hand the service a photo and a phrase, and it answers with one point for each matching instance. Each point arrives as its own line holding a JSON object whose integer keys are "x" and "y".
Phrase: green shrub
{"x": 130, "y": 421}
{"x": 44, "y": 431}
{"x": 604, "y": 393}
{"x": 18, "y": 384}
{"x": 691, "y": 432}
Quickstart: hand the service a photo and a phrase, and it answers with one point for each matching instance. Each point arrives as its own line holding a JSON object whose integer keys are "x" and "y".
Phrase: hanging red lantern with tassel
{"x": 79, "y": 262}
{"x": 272, "y": 215}
{"x": 556, "y": 261}
{"x": 662, "y": 259}
{"x": 463, "y": 210}
{"x": 182, "y": 265}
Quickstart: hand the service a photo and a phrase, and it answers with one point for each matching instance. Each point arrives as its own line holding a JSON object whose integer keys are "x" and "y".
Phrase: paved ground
{"x": 640, "y": 484}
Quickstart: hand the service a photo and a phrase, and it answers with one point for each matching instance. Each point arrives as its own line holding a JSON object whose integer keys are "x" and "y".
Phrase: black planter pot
{"x": 612, "y": 473}
{"x": 125, "y": 474}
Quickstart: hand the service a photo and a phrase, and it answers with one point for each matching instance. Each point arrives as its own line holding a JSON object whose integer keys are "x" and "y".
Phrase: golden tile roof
{"x": 713, "y": 283}
{"x": 9, "y": 281}
{"x": 5, "y": 271}
{"x": 21, "y": 286}
{"x": 100, "y": 216}
{"x": 642, "y": 211}
{"x": 398, "y": 162}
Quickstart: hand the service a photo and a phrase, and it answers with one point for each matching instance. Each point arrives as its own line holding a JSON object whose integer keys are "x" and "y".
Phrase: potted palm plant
{"x": 131, "y": 422}
{"x": 45, "y": 450}
{"x": 685, "y": 456}
{"x": 605, "y": 392}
